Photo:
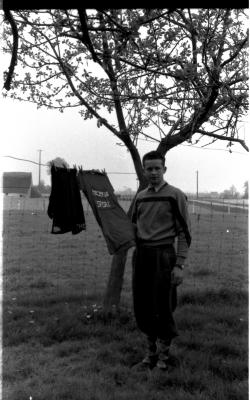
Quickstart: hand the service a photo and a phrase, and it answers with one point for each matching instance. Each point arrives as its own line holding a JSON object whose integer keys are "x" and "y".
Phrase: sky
{"x": 26, "y": 129}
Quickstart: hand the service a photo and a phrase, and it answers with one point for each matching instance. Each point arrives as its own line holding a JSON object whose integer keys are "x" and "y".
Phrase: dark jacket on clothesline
{"x": 65, "y": 205}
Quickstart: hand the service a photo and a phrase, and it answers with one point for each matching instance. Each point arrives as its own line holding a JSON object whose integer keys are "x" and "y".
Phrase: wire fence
{"x": 38, "y": 263}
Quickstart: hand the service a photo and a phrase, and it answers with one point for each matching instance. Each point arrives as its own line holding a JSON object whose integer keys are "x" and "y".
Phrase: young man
{"x": 161, "y": 215}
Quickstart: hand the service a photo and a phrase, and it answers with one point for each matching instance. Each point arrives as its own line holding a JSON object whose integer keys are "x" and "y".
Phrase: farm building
{"x": 17, "y": 183}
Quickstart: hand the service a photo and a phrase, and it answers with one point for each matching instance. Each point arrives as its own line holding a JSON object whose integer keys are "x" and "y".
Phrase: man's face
{"x": 154, "y": 171}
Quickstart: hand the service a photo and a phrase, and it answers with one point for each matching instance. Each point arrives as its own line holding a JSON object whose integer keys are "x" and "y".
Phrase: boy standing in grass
{"x": 161, "y": 215}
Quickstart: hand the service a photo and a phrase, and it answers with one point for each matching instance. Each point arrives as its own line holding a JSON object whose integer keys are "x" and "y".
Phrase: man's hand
{"x": 176, "y": 276}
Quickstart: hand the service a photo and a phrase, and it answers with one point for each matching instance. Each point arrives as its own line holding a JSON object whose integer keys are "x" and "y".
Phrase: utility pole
{"x": 197, "y": 184}
{"x": 39, "y": 171}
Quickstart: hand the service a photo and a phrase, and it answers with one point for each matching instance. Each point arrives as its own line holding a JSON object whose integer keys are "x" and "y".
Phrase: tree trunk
{"x": 112, "y": 295}
{"x": 114, "y": 287}
{"x": 115, "y": 282}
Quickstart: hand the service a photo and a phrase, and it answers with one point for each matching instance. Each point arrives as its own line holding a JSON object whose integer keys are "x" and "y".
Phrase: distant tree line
{"x": 42, "y": 188}
{"x": 232, "y": 192}
{"x": 128, "y": 193}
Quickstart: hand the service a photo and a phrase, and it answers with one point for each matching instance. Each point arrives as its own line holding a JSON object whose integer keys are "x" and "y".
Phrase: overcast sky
{"x": 25, "y": 130}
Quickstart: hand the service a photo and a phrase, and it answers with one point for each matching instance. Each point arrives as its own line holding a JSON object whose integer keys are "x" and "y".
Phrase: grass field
{"x": 58, "y": 345}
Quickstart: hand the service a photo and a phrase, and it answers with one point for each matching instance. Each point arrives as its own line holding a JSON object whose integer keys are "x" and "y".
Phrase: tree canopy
{"x": 182, "y": 72}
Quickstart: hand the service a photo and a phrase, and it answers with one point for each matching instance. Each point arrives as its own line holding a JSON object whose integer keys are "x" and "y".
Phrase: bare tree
{"x": 182, "y": 72}
{"x": 245, "y": 195}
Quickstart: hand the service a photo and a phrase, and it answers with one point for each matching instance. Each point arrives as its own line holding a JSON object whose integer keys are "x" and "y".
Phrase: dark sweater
{"x": 161, "y": 216}
{"x": 65, "y": 205}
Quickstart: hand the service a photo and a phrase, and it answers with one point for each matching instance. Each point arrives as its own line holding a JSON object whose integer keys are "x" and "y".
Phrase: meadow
{"x": 59, "y": 345}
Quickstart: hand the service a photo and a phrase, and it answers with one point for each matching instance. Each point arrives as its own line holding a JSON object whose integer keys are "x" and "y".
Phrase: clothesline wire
{"x": 46, "y": 165}
{"x": 23, "y": 159}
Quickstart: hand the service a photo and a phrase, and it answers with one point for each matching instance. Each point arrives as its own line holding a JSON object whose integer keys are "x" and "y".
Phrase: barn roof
{"x": 17, "y": 182}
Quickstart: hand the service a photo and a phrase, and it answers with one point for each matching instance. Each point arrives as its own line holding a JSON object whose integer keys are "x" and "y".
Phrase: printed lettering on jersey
{"x": 102, "y": 199}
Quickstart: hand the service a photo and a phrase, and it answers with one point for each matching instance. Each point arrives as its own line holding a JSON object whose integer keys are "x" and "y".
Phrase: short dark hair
{"x": 153, "y": 155}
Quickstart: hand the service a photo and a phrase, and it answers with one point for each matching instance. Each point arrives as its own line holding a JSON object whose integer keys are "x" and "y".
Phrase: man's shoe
{"x": 149, "y": 360}
{"x": 146, "y": 364}
{"x": 163, "y": 364}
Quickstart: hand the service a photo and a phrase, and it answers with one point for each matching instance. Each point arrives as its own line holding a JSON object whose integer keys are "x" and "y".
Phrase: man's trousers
{"x": 154, "y": 297}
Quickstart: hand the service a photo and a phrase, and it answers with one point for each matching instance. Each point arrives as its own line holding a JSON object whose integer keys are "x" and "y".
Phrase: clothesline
{"x": 46, "y": 165}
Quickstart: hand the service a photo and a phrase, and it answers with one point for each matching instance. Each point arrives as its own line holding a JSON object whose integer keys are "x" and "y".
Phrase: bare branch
{"x": 150, "y": 137}
{"x": 158, "y": 126}
{"x": 221, "y": 137}
{"x": 222, "y": 43}
{"x": 174, "y": 127}
{"x": 85, "y": 34}
{"x": 236, "y": 53}
{"x": 13, "y": 61}
{"x": 107, "y": 65}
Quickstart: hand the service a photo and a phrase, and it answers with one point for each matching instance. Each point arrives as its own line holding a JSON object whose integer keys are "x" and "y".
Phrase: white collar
{"x": 156, "y": 188}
